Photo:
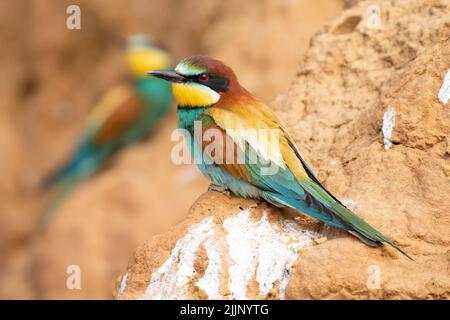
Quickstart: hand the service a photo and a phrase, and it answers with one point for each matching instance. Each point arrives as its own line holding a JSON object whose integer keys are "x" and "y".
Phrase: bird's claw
{"x": 222, "y": 189}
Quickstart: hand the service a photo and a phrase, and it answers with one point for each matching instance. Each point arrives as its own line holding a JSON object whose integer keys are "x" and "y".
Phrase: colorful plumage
{"x": 126, "y": 114}
{"x": 209, "y": 95}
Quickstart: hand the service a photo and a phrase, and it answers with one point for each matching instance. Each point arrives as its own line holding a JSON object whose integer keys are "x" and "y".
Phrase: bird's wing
{"x": 254, "y": 125}
{"x": 229, "y": 154}
{"x": 292, "y": 183}
{"x": 112, "y": 116}
{"x": 255, "y": 132}
{"x": 116, "y": 112}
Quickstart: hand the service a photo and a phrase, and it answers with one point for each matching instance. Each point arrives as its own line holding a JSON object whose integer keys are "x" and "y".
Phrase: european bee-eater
{"x": 208, "y": 93}
{"x": 126, "y": 114}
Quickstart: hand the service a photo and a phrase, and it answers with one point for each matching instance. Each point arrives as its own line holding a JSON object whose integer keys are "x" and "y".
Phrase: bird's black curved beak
{"x": 168, "y": 75}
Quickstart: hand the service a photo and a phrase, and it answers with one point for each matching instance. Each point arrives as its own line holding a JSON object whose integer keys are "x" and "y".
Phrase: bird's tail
{"x": 66, "y": 172}
{"x": 63, "y": 188}
{"x": 53, "y": 179}
{"x": 369, "y": 235}
{"x": 332, "y": 210}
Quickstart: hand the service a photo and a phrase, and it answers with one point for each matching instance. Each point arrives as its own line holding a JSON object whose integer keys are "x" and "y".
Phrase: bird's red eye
{"x": 203, "y": 77}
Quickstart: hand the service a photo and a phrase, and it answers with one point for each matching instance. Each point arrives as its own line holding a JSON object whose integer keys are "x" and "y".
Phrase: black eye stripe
{"x": 216, "y": 83}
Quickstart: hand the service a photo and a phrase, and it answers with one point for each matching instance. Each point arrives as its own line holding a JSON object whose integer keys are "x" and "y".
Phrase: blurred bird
{"x": 126, "y": 114}
{"x": 208, "y": 91}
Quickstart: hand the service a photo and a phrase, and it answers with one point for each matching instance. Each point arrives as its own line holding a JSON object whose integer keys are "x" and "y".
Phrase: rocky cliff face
{"x": 369, "y": 108}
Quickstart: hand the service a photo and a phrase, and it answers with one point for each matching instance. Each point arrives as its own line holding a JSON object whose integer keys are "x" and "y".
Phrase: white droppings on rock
{"x": 269, "y": 249}
{"x": 388, "y": 127}
{"x": 333, "y": 163}
{"x": 210, "y": 282}
{"x": 169, "y": 281}
{"x": 250, "y": 249}
{"x": 123, "y": 284}
{"x": 444, "y": 91}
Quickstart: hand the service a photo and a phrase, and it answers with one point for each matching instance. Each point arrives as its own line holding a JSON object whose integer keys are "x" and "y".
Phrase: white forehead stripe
{"x": 186, "y": 68}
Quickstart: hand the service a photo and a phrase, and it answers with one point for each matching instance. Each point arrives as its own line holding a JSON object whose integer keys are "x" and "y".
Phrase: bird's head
{"x": 143, "y": 54}
{"x": 199, "y": 81}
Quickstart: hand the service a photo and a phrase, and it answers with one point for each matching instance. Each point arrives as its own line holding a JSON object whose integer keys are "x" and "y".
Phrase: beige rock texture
{"x": 239, "y": 249}
{"x": 51, "y": 77}
{"x": 367, "y": 109}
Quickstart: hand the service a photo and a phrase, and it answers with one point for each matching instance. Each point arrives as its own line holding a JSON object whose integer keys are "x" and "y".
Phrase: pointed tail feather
{"x": 64, "y": 173}
{"x": 64, "y": 188}
{"x": 366, "y": 240}
{"x": 363, "y": 230}
{"x": 375, "y": 238}
{"x": 52, "y": 179}
{"x": 353, "y": 224}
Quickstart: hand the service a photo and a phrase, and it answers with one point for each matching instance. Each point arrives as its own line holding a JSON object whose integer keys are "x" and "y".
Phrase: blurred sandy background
{"x": 51, "y": 77}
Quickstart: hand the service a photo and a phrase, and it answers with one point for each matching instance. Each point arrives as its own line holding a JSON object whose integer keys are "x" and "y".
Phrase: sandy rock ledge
{"x": 240, "y": 249}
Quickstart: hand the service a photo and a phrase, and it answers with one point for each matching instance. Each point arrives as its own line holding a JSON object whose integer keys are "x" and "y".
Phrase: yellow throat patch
{"x": 193, "y": 94}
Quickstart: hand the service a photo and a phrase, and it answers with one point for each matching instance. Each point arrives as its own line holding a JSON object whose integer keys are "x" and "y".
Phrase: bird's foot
{"x": 221, "y": 189}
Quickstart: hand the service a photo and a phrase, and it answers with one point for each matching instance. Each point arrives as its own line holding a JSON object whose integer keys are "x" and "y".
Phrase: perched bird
{"x": 126, "y": 114}
{"x": 209, "y": 96}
